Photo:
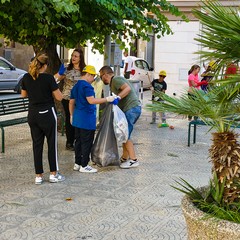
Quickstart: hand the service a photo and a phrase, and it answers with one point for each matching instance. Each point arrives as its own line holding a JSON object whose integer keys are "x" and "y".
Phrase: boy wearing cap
{"x": 82, "y": 108}
{"x": 159, "y": 85}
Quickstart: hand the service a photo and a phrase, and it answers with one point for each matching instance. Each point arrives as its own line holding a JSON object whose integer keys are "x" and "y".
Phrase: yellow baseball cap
{"x": 163, "y": 73}
{"x": 212, "y": 64}
{"x": 90, "y": 69}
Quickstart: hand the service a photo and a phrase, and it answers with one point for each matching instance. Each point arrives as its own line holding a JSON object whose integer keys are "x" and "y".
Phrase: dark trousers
{"x": 127, "y": 75}
{"x": 83, "y": 145}
{"x": 44, "y": 124}
{"x": 70, "y": 130}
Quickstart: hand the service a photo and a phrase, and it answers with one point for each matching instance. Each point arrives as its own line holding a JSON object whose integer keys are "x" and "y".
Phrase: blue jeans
{"x": 132, "y": 116}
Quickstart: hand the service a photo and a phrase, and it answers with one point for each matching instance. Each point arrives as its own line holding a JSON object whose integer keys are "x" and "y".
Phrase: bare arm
{"x": 125, "y": 90}
{"x": 193, "y": 83}
{"x": 24, "y": 93}
{"x": 126, "y": 66}
{"x": 71, "y": 106}
{"x": 93, "y": 100}
{"x": 59, "y": 77}
{"x": 57, "y": 95}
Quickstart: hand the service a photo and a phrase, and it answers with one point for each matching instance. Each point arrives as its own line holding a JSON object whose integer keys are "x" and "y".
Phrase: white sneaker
{"x": 76, "y": 167}
{"x": 88, "y": 169}
{"x": 38, "y": 180}
{"x": 56, "y": 178}
{"x": 129, "y": 164}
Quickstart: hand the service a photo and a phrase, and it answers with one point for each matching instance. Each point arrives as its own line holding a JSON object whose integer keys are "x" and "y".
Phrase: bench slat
{"x": 12, "y": 122}
{"x": 200, "y": 122}
{"x": 13, "y": 106}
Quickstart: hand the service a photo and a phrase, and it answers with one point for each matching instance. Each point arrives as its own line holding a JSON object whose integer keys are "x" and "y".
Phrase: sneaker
{"x": 56, "y": 178}
{"x": 76, "y": 167}
{"x": 129, "y": 164}
{"x": 152, "y": 122}
{"x": 38, "y": 180}
{"x": 88, "y": 169}
{"x": 123, "y": 159}
{"x": 163, "y": 125}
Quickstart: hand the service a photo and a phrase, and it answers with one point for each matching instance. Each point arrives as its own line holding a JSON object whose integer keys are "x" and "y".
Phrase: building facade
{"x": 176, "y": 53}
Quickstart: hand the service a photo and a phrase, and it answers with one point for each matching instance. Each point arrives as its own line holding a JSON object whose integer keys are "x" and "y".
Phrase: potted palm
{"x": 219, "y": 108}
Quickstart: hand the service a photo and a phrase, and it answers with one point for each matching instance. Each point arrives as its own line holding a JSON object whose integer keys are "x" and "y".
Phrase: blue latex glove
{"x": 115, "y": 101}
{"x": 61, "y": 70}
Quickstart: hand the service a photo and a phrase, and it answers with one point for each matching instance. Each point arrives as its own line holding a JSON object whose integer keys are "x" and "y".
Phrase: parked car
{"x": 142, "y": 71}
{"x": 10, "y": 76}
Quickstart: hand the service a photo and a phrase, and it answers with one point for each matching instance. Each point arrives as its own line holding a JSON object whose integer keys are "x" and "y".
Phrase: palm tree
{"x": 220, "y": 106}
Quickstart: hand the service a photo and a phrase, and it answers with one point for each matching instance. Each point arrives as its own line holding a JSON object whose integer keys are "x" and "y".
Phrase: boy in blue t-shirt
{"x": 82, "y": 108}
{"x": 161, "y": 86}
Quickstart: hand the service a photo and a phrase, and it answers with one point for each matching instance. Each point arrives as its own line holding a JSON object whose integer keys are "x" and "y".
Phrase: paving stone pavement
{"x": 113, "y": 204}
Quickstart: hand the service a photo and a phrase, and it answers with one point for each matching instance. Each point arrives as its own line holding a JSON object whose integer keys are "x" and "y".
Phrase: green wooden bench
{"x": 199, "y": 122}
{"x": 194, "y": 123}
{"x": 14, "y": 106}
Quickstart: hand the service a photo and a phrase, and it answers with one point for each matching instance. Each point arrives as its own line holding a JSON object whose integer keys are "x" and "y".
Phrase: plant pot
{"x": 200, "y": 227}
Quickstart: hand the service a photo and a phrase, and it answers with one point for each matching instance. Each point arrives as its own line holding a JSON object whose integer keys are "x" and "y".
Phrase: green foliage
{"x": 218, "y": 108}
{"x": 210, "y": 200}
{"x": 188, "y": 189}
{"x": 220, "y": 35}
{"x": 216, "y": 191}
{"x": 72, "y": 22}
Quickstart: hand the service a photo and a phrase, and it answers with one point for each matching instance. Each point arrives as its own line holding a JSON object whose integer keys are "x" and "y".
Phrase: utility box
{"x": 116, "y": 55}
{"x": 8, "y": 54}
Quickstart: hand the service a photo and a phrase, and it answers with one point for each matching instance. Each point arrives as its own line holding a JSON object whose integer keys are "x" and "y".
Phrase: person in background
{"x": 82, "y": 107}
{"x": 130, "y": 105}
{"x": 193, "y": 82}
{"x": 208, "y": 74}
{"x": 128, "y": 65}
{"x": 159, "y": 85}
{"x": 70, "y": 77}
{"x": 41, "y": 89}
{"x": 231, "y": 69}
{"x": 98, "y": 89}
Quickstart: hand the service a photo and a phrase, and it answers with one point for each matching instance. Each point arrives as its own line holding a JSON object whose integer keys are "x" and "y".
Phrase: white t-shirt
{"x": 129, "y": 60}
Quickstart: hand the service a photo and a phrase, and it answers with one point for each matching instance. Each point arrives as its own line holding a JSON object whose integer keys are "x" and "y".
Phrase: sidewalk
{"x": 113, "y": 204}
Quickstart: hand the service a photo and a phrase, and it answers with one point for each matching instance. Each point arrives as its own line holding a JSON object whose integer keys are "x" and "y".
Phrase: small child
{"x": 161, "y": 86}
{"x": 82, "y": 108}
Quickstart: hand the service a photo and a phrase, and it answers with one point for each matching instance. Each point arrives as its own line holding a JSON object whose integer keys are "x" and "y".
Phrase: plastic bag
{"x": 120, "y": 125}
{"x": 105, "y": 150}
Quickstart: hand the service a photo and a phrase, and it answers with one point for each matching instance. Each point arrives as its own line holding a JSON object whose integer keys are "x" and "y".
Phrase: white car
{"x": 10, "y": 76}
{"x": 142, "y": 71}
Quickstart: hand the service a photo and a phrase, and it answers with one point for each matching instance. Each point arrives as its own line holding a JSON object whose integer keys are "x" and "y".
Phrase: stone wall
{"x": 19, "y": 55}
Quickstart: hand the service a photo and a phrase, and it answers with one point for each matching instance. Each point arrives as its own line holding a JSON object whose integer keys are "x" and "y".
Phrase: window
{"x": 145, "y": 66}
{"x": 138, "y": 64}
{"x": 4, "y": 65}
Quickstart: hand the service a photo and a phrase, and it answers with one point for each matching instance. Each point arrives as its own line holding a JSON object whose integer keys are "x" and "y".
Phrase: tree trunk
{"x": 54, "y": 61}
{"x": 225, "y": 157}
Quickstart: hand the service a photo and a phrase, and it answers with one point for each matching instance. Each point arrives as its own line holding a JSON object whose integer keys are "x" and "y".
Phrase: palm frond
{"x": 218, "y": 108}
{"x": 188, "y": 189}
{"x": 220, "y": 35}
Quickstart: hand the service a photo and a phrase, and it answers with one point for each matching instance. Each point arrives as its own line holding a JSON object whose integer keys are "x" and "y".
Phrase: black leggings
{"x": 43, "y": 123}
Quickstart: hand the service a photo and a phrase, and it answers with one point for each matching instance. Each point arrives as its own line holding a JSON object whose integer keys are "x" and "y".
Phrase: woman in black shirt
{"x": 41, "y": 89}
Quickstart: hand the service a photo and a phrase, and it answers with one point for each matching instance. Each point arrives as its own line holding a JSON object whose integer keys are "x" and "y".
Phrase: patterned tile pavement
{"x": 113, "y": 204}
